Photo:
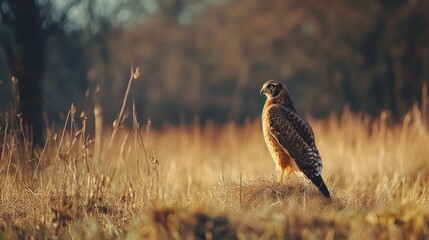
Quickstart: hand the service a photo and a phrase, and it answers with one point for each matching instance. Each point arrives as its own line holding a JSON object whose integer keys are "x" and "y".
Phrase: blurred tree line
{"x": 209, "y": 58}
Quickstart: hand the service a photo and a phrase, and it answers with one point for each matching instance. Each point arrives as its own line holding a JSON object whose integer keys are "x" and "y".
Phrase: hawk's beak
{"x": 263, "y": 90}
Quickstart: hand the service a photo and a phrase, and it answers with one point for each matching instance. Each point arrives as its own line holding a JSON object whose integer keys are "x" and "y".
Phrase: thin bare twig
{"x": 62, "y": 137}
{"x": 134, "y": 74}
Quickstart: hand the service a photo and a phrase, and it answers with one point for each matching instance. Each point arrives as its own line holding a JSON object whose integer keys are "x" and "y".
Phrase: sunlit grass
{"x": 188, "y": 185}
{"x": 209, "y": 181}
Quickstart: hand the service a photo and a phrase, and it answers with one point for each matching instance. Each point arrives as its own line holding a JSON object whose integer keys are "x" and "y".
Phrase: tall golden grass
{"x": 208, "y": 181}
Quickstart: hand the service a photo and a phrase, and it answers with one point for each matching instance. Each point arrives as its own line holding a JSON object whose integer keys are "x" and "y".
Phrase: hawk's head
{"x": 272, "y": 88}
{"x": 277, "y": 93}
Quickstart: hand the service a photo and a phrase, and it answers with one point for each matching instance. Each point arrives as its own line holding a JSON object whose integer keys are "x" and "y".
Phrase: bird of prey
{"x": 289, "y": 138}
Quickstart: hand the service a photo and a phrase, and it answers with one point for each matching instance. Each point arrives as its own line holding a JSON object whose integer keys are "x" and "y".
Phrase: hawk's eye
{"x": 271, "y": 86}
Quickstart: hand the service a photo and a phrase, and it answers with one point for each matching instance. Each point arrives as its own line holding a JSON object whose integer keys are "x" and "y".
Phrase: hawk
{"x": 289, "y": 138}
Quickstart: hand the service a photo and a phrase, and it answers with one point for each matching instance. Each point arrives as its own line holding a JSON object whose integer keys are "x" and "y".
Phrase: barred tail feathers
{"x": 318, "y": 181}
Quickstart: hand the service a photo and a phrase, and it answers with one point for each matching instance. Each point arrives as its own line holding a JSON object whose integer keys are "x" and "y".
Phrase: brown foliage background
{"x": 209, "y": 59}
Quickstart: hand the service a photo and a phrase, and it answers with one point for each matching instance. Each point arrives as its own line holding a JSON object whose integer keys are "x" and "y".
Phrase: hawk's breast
{"x": 279, "y": 155}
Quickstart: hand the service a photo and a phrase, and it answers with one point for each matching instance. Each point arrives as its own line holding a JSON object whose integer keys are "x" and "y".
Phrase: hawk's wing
{"x": 295, "y": 135}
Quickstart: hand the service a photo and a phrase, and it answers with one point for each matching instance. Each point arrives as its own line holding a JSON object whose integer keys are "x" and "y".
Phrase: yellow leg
{"x": 289, "y": 171}
{"x": 281, "y": 176}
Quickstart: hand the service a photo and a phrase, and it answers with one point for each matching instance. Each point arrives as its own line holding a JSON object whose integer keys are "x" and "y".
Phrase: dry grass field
{"x": 204, "y": 181}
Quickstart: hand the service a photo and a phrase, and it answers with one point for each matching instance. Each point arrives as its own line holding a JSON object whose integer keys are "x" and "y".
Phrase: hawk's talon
{"x": 281, "y": 176}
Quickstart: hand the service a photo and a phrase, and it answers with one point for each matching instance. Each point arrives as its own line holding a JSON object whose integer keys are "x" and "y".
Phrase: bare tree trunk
{"x": 27, "y": 62}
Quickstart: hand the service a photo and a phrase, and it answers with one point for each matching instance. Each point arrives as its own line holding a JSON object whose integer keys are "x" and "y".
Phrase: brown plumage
{"x": 289, "y": 138}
